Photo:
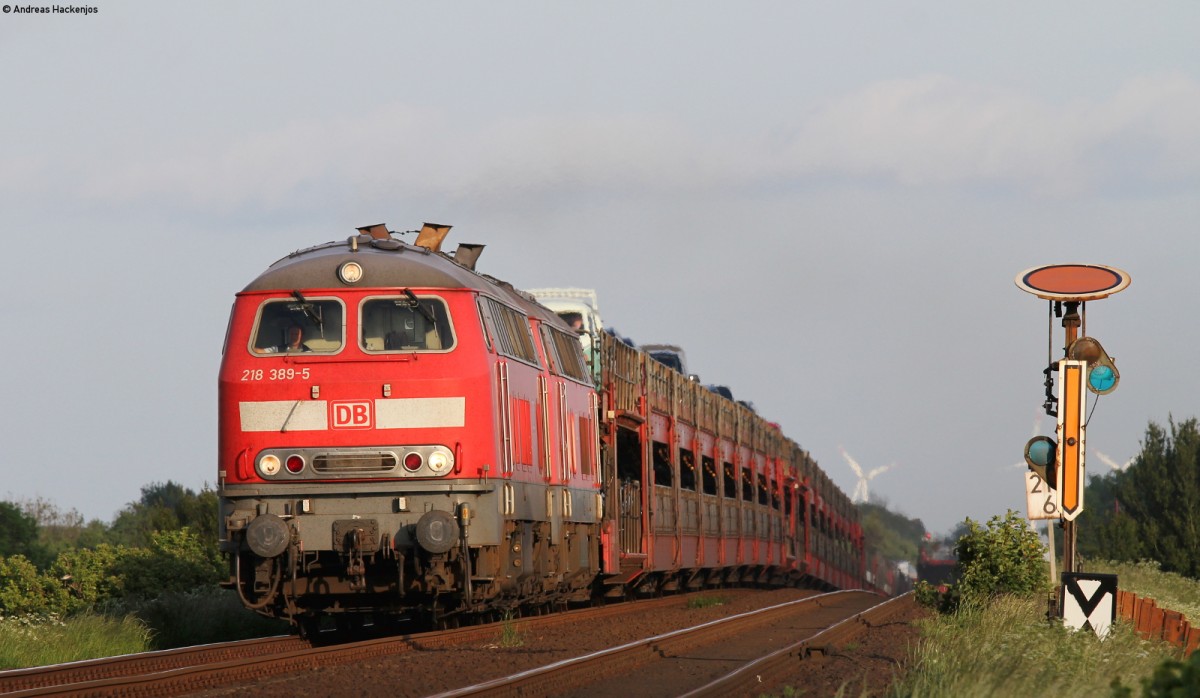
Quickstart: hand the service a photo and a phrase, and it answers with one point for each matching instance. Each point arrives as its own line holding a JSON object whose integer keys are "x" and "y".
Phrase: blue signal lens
{"x": 1041, "y": 452}
{"x": 1101, "y": 378}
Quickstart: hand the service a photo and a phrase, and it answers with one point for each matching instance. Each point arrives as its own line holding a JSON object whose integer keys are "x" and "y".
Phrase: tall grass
{"x": 1169, "y": 590}
{"x": 510, "y": 634}
{"x": 1008, "y": 648}
{"x": 174, "y": 619}
{"x": 31, "y": 640}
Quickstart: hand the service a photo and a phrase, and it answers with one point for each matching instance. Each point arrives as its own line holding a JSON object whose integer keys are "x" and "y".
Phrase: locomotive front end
{"x": 353, "y": 468}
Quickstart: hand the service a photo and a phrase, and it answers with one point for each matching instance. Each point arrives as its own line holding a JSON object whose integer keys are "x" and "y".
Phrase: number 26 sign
{"x": 1040, "y": 500}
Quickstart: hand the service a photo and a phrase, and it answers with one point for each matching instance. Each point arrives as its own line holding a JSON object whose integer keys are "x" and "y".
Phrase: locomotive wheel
{"x": 349, "y": 624}
{"x": 310, "y": 627}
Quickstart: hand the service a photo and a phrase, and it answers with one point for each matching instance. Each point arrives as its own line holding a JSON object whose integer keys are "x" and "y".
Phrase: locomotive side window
{"x": 587, "y": 440}
{"x": 406, "y": 323}
{"x": 565, "y": 354}
{"x": 509, "y": 330}
{"x": 297, "y": 325}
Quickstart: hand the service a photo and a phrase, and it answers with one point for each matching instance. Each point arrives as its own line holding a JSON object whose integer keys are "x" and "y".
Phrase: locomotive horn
{"x": 467, "y": 254}
{"x": 431, "y": 236}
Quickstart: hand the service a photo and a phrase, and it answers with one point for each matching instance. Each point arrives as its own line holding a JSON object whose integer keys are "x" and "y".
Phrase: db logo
{"x": 350, "y": 415}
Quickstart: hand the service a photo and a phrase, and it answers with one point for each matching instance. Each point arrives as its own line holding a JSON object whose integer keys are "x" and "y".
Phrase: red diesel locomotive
{"x": 401, "y": 435}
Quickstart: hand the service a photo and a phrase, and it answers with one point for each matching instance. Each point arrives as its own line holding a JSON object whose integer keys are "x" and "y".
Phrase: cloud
{"x": 937, "y": 130}
{"x": 931, "y": 130}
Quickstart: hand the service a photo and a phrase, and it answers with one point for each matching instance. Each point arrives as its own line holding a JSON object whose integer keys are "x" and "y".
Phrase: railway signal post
{"x": 1084, "y": 366}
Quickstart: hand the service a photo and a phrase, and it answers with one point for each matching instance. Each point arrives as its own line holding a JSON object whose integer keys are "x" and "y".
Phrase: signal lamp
{"x": 1102, "y": 373}
{"x": 412, "y": 461}
{"x": 1040, "y": 456}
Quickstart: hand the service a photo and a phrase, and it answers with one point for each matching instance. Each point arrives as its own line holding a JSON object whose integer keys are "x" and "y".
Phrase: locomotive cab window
{"x": 405, "y": 323}
{"x": 298, "y": 325}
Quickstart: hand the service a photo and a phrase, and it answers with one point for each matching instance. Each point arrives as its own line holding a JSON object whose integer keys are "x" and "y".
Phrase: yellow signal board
{"x": 1072, "y": 399}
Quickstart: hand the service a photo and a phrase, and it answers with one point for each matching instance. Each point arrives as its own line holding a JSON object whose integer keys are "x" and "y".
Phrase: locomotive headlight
{"x": 350, "y": 272}
{"x": 439, "y": 462}
{"x": 269, "y": 465}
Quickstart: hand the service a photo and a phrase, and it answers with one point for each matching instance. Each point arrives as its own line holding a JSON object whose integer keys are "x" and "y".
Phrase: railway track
{"x": 701, "y": 662}
{"x": 199, "y": 668}
{"x": 31, "y": 681}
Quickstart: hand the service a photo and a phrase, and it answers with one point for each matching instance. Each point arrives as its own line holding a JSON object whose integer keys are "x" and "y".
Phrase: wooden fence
{"x": 1150, "y": 621}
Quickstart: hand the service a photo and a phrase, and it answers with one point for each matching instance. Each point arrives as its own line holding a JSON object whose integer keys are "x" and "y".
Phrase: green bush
{"x": 176, "y": 561}
{"x": 90, "y": 574}
{"x": 18, "y": 531}
{"x": 1006, "y": 557}
{"x": 932, "y": 597}
{"x": 24, "y": 590}
{"x": 1174, "y": 678}
{"x": 198, "y": 616}
{"x": 1171, "y": 679}
{"x": 1003, "y": 557}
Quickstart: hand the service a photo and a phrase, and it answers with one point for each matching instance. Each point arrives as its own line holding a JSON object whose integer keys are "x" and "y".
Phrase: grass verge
{"x": 27, "y": 641}
{"x": 1169, "y": 590}
{"x": 1008, "y": 648}
{"x": 175, "y": 619}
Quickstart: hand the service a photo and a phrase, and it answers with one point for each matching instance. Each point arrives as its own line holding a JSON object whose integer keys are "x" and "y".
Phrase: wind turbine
{"x": 1037, "y": 427}
{"x": 860, "y": 490}
{"x": 1112, "y": 463}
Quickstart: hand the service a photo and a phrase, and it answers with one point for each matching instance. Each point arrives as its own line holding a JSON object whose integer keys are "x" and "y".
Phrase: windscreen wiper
{"x": 307, "y": 308}
{"x": 416, "y": 303}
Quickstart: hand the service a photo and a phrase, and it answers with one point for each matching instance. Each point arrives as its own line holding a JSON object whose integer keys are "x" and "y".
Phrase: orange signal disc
{"x": 1072, "y": 282}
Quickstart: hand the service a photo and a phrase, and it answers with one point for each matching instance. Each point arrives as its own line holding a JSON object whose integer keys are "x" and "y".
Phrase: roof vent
{"x": 431, "y": 236}
{"x": 467, "y": 254}
{"x": 378, "y": 231}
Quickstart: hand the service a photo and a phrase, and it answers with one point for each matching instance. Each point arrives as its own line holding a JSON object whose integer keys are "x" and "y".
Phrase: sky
{"x": 825, "y": 204}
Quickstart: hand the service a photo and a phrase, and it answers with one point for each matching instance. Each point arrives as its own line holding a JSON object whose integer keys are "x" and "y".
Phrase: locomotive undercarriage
{"x": 428, "y": 578}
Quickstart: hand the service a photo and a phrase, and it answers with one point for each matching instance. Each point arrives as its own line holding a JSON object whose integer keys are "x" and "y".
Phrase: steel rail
{"x": 772, "y": 669}
{"x": 559, "y": 677}
{"x": 142, "y": 663}
{"x": 205, "y": 666}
